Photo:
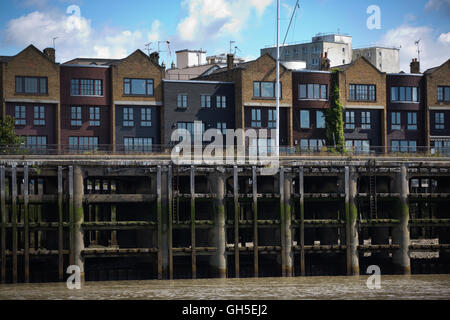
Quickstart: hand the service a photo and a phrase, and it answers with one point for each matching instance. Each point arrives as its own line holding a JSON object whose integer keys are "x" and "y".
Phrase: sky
{"x": 114, "y": 29}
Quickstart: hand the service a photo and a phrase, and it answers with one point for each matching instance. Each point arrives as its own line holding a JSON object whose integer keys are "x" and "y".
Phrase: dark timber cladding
{"x": 91, "y": 122}
{"x": 211, "y": 102}
{"x": 128, "y": 218}
{"x": 314, "y": 103}
{"x": 402, "y": 100}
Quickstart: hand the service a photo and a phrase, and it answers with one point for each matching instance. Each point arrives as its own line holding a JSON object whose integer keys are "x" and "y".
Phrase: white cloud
{"x": 76, "y": 36}
{"x": 438, "y": 5}
{"x": 433, "y": 50}
{"x": 217, "y": 18}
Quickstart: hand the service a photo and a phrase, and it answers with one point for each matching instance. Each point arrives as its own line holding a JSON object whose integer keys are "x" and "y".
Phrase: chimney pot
{"x": 50, "y": 52}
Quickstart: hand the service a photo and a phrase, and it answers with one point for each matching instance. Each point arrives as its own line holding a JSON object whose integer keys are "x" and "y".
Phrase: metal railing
{"x": 261, "y": 151}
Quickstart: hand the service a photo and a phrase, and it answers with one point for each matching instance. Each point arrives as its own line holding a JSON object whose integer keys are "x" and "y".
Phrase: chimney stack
{"x": 325, "y": 63}
{"x": 50, "y": 52}
{"x": 415, "y": 66}
{"x": 230, "y": 61}
{"x": 154, "y": 56}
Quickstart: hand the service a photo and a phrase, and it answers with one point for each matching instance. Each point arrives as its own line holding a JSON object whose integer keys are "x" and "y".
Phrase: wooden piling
{"x": 60, "y": 226}
{"x": 282, "y": 221}
{"x": 159, "y": 219}
{"x": 193, "y": 252}
{"x": 78, "y": 194}
{"x": 26, "y": 225}
{"x": 255, "y": 223}
{"x": 287, "y": 225}
{"x": 14, "y": 221}
{"x": 301, "y": 185}
{"x": 170, "y": 220}
{"x": 236, "y": 220}
{"x": 3, "y": 222}
{"x": 351, "y": 214}
{"x": 71, "y": 218}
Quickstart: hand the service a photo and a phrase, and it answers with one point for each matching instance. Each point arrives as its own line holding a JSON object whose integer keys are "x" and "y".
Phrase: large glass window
{"x": 35, "y": 85}
{"x": 320, "y": 120}
{"x": 264, "y": 89}
{"x": 366, "y": 120}
{"x": 272, "y": 119}
{"x": 83, "y": 143}
{"x": 20, "y": 116}
{"x": 256, "y": 118}
{"x": 313, "y": 91}
{"x": 404, "y": 146}
{"x": 86, "y": 87}
{"x": 206, "y": 101}
{"x": 311, "y": 144}
{"x": 443, "y": 147}
{"x": 94, "y": 116}
{"x": 37, "y": 144}
{"x": 39, "y": 116}
{"x": 221, "y": 102}
{"x": 128, "y": 117}
{"x": 138, "y": 87}
{"x": 146, "y": 117}
{"x": 138, "y": 144}
{"x": 349, "y": 120}
{"x": 362, "y": 92}
{"x": 304, "y": 119}
{"x": 182, "y": 101}
{"x": 358, "y": 146}
{"x": 75, "y": 117}
{"x": 396, "y": 122}
{"x": 405, "y": 94}
{"x": 412, "y": 120}
{"x": 443, "y": 93}
{"x": 439, "y": 121}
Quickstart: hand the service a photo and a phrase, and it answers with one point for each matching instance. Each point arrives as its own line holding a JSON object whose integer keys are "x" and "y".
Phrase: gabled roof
{"x": 432, "y": 70}
{"x": 345, "y": 67}
{"x": 30, "y": 47}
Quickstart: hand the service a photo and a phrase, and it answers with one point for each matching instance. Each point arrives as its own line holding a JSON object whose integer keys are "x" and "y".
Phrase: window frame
{"x": 205, "y": 101}
{"x": 362, "y": 92}
{"x": 76, "y": 121}
{"x": 94, "y": 117}
{"x": 396, "y": 121}
{"x": 412, "y": 125}
{"x": 306, "y": 119}
{"x": 39, "y": 116}
{"x": 322, "y": 87}
{"x": 182, "y": 103}
{"x": 146, "y": 117}
{"x": 38, "y": 85}
{"x": 22, "y": 119}
{"x": 397, "y": 92}
{"x": 259, "y": 85}
{"x": 366, "y": 120}
{"x": 256, "y": 118}
{"x": 129, "y": 82}
{"x": 350, "y": 122}
{"x": 322, "y": 117}
{"x": 439, "y": 120}
{"x": 93, "y": 85}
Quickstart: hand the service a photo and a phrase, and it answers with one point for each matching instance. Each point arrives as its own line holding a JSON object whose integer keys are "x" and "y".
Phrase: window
{"x": 206, "y": 101}
{"x": 75, "y": 118}
{"x": 138, "y": 87}
{"x": 261, "y": 147}
{"x": 443, "y": 94}
{"x": 83, "y": 143}
{"x": 349, "y": 120}
{"x": 365, "y": 120}
{"x": 313, "y": 91}
{"x": 272, "y": 119}
{"x": 20, "y": 116}
{"x": 396, "y": 123}
{"x": 221, "y": 102}
{"x": 256, "y": 118}
{"x": 94, "y": 116}
{"x": 182, "y": 101}
{"x": 404, "y": 146}
{"x": 39, "y": 116}
{"x": 304, "y": 119}
{"x": 36, "y": 85}
{"x": 128, "y": 118}
{"x": 192, "y": 127}
{"x": 320, "y": 120}
{"x": 358, "y": 146}
{"x": 412, "y": 120}
{"x": 311, "y": 144}
{"x": 439, "y": 123}
{"x": 37, "y": 144}
{"x": 264, "y": 90}
{"x": 315, "y": 62}
{"x": 442, "y": 147}
{"x": 405, "y": 94}
{"x": 146, "y": 117}
{"x": 86, "y": 87}
{"x": 362, "y": 92}
{"x": 138, "y": 144}
{"x": 222, "y": 126}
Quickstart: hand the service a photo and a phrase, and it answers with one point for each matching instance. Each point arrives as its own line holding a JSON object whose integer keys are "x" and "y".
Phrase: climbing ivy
{"x": 9, "y": 140}
{"x": 334, "y": 118}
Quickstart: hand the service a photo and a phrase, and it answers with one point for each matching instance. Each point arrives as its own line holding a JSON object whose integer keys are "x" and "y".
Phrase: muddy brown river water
{"x": 420, "y": 287}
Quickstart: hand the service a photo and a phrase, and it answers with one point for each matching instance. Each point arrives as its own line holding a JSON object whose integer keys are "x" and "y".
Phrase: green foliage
{"x": 9, "y": 140}
{"x": 334, "y": 118}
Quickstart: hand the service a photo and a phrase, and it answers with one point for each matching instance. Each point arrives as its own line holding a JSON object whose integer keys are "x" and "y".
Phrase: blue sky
{"x": 100, "y": 28}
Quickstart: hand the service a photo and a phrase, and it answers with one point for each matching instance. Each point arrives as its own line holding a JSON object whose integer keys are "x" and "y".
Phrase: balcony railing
{"x": 261, "y": 151}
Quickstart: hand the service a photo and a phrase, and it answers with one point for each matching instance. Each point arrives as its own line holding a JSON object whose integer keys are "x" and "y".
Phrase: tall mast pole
{"x": 277, "y": 85}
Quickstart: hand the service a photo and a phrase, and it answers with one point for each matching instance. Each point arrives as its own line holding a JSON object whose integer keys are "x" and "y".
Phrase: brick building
{"x": 30, "y": 93}
{"x": 363, "y": 94}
